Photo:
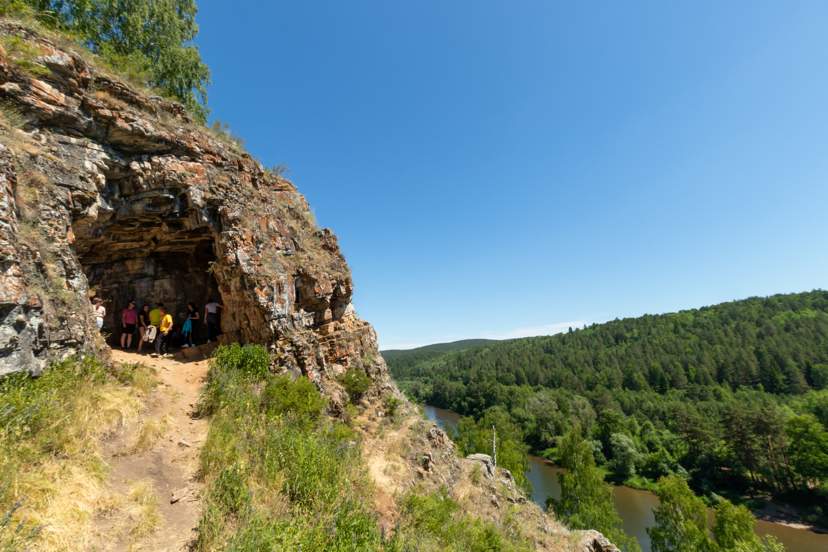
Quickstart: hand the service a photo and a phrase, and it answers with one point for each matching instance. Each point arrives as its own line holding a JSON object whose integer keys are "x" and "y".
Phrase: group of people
{"x": 156, "y": 326}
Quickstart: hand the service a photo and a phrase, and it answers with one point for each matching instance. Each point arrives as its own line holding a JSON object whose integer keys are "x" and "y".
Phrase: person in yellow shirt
{"x": 162, "y": 341}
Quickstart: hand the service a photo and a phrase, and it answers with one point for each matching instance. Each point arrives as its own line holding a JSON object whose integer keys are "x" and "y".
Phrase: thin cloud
{"x": 405, "y": 345}
{"x": 549, "y": 329}
{"x": 532, "y": 331}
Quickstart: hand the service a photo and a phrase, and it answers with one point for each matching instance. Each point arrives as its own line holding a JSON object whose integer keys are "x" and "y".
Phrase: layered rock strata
{"x": 108, "y": 191}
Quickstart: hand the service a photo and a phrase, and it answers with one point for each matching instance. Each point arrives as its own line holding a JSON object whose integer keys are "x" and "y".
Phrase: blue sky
{"x": 502, "y": 169}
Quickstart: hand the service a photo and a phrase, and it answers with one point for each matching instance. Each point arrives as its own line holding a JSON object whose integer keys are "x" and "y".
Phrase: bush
{"x": 432, "y": 519}
{"x": 270, "y": 449}
{"x": 356, "y": 383}
{"x": 230, "y": 366}
{"x": 297, "y": 398}
{"x": 392, "y": 403}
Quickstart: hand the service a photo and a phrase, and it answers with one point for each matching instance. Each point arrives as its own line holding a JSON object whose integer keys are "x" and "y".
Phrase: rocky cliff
{"x": 108, "y": 191}
{"x": 111, "y": 192}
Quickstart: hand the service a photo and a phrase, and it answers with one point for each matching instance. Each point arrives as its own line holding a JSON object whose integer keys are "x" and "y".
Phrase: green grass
{"x": 280, "y": 475}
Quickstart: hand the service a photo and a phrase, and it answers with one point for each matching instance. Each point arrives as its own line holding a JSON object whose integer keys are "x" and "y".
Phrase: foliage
{"x": 809, "y": 447}
{"x": 281, "y": 476}
{"x": 356, "y": 382}
{"x": 586, "y": 500}
{"x": 269, "y": 450}
{"x": 680, "y": 520}
{"x": 282, "y": 396}
{"x": 223, "y": 132}
{"x": 249, "y": 363}
{"x": 435, "y": 516}
{"x": 681, "y": 524}
{"x": 149, "y": 37}
{"x": 624, "y": 455}
{"x": 435, "y": 348}
{"x": 475, "y": 437}
{"x": 714, "y": 395}
{"x": 391, "y": 405}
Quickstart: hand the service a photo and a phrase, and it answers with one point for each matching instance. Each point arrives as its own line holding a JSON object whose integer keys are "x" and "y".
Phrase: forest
{"x": 732, "y": 398}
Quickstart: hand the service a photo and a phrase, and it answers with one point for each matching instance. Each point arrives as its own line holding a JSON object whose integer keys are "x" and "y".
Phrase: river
{"x": 636, "y": 507}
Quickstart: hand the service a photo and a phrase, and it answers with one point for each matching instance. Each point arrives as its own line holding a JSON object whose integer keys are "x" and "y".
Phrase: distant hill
{"x": 438, "y": 347}
{"x": 775, "y": 344}
{"x": 401, "y": 360}
{"x": 733, "y": 397}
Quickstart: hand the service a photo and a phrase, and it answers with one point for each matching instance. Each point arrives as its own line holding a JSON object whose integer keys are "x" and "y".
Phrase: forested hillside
{"x": 729, "y": 396}
{"x": 439, "y": 348}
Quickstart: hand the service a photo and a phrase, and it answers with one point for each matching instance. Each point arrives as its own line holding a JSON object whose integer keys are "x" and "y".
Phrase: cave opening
{"x": 150, "y": 264}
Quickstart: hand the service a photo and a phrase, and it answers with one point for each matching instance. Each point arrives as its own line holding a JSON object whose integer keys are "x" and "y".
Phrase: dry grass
{"x": 54, "y": 457}
{"x": 144, "y": 506}
{"x": 30, "y": 187}
{"x": 149, "y": 433}
{"x": 110, "y": 100}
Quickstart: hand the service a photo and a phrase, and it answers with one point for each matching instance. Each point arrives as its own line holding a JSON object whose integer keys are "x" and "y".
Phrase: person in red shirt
{"x": 129, "y": 317}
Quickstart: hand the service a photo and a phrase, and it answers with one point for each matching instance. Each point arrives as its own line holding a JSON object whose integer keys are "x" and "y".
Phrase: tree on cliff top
{"x": 153, "y": 36}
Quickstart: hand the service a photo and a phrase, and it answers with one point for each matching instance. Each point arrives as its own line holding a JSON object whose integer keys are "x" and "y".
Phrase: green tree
{"x": 155, "y": 36}
{"x": 819, "y": 375}
{"x": 680, "y": 520}
{"x": 475, "y": 437}
{"x": 624, "y": 455}
{"x": 733, "y": 531}
{"x": 586, "y": 499}
{"x": 809, "y": 447}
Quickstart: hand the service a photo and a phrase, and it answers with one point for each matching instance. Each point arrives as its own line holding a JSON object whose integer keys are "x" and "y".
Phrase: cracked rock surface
{"x": 108, "y": 191}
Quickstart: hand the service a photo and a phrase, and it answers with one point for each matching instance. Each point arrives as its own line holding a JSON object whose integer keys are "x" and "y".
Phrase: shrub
{"x": 297, "y": 398}
{"x": 434, "y": 518}
{"x": 270, "y": 449}
{"x": 231, "y": 366}
{"x": 392, "y": 403}
{"x": 356, "y": 383}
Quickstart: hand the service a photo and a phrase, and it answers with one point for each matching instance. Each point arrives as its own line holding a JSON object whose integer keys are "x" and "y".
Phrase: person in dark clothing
{"x": 143, "y": 324}
{"x": 212, "y": 318}
{"x": 193, "y": 317}
{"x": 129, "y": 319}
{"x": 162, "y": 341}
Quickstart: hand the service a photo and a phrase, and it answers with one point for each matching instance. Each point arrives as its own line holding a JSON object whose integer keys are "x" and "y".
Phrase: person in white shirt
{"x": 212, "y": 318}
{"x": 99, "y": 310}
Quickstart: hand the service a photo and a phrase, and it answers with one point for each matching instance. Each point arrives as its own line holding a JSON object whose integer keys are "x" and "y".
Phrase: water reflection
{"x": 635, "y": 507}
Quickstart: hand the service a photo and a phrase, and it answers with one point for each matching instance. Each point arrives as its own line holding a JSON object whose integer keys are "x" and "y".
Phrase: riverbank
{"x": 763, "y": 509}
{"x": 787, "y": 516}
{"x": 635, "y": 506}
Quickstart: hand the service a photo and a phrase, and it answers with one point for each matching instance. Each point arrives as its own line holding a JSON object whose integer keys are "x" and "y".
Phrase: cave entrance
{"x": 150, "y": 266}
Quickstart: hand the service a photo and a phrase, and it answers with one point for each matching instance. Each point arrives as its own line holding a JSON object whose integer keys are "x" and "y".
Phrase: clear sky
{"x": 502, "y": 169}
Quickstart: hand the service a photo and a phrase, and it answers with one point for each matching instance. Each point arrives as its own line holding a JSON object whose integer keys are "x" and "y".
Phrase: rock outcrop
{"x": 111, "y": 192}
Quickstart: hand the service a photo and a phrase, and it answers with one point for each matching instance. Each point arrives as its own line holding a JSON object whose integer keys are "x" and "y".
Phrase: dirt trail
{"x": 154, "y": 495}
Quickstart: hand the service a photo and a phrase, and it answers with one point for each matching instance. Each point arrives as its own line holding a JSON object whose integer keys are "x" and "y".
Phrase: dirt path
{"x": 154, "y": 495}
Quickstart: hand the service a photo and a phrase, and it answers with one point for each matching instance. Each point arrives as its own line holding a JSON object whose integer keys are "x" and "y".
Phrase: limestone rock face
{"x": 107, "y": 191}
